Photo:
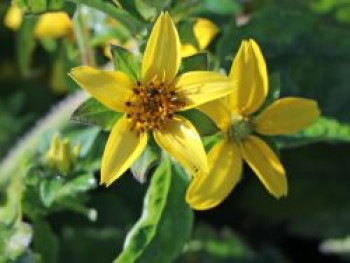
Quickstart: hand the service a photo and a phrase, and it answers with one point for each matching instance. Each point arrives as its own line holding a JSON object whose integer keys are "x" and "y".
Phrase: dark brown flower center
{"x": 152, "y": 106}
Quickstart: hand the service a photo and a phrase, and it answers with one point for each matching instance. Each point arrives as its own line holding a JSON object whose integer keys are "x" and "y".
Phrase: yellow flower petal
{"x": 162, "y": 56}
{"x": 266, "y": 165}
{"x": 14, "y": 17}
{"x": 204, "y": 31}
{"x": 286, "y": 116}
{"x": 53, "y": 25}
{"x": 198, "y": 87}
{"x": 188, "y": 50}
{"x": 111, "y": 88}
{"x": 219, "y": 111}
{"x": 182, "y": 141}
{"x": 250, "y": 73}
{"x": 225, "y": 166}
{"x": 122, "y": 149}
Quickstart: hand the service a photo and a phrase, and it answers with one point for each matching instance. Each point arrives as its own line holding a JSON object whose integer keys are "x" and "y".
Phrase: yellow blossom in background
{"x": 13, "y": 18}
{"x": 204, "y": 31}
{"x": 234, "y": 116}
{"x": 49, "y": 25}
{"x": 151, "y": 104}
{"x": 53, "y": 25}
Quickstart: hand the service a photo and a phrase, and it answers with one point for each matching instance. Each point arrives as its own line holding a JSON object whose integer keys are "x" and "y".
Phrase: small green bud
{"x": 52, "y": 153}
{"x": 64, "y": 162}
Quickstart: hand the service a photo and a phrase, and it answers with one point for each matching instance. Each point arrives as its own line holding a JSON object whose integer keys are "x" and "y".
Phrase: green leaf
{"x": 220, "y": 7}
{"x": 145, "y": 162}
{"x": 146, "y": 9}
{"x": 25, "y": 44}
{"x": 41, "y": 6}
{"x": 45, "y": 241}
{"x": 94, "y": 113}
{"x": 166, "y": 221}
{"x": 48, "y": 190}
{"x": 204, "y": 125}
{"x": 196, "y": 62}
{"x": 14, "y": 240}
{"x": 323, "y": 130}
{"x": 108, "y": 7}
{"x": 125, "y": 61}
{"x": 183, "y": 9}
{"x": 79, "y": 184}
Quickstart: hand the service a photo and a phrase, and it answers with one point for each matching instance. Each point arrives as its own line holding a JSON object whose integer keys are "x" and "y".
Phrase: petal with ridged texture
{"x": 111, "y": 88}
{"x": 225, "y": 166}
{"x": 250, "y": 74}
{"x": 198, "y": 87}
{"x": 266, "y": 165}
{"x": 122, "y": 149}
{"x": 162, "y": 55}
{"x": 182, "y": 141}
{"x": 287, "y": 116}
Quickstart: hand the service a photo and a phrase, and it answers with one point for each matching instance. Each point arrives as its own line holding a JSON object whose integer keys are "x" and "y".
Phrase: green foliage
{"x": 45, "y": 242}
{"x": 149, "y": 158}
{"x": 166, "y": 221}
{"x": 125, "y": 61}
{"x": 14, "y": 241}
{"x": 94, "y": 113}
{"x": 26, "y": 44}
{"x": 324, "y": 129}
{"x": 204, "y": 125}
{"x": 196, "y": 62}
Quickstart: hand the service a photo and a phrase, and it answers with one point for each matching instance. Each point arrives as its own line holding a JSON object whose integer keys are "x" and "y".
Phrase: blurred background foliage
{"x": 52, "y": 214}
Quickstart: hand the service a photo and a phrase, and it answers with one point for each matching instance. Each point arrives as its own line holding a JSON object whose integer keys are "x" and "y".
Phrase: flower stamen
{"x": 152, "y": 106}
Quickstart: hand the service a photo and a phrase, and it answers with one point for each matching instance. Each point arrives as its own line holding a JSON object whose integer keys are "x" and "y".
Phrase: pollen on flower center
{"x": 152, "y": 106}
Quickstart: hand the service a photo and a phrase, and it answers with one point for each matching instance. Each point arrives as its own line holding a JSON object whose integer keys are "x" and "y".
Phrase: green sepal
{"x": 125, "y": 61}
{"x": 204, "y": 125}
{"x": 93, "y": 112}
{"x": 166, "y": 221}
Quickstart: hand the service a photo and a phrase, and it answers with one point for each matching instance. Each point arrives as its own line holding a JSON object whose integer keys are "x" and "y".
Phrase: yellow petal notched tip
{"x": 266, "y": 165}
{"x": 162, "y": 57}
{"x": 122, "y": 149}
{"x": 250, "y": 72}
{"x": 287, "y": 116}
{"x": 225, "y": 166}
{"x": 182, "y": 141}
{"x": 111, "y": 88}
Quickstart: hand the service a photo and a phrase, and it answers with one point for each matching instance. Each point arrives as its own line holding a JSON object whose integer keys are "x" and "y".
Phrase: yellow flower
{"x": 13, "y": 18}
{"x": 204, "y": 31}
{"x": 151, "y": 103}
{"x": 234, "y": 116}
{"x": 50, "y": 25}
{"x": 53, "y": 25}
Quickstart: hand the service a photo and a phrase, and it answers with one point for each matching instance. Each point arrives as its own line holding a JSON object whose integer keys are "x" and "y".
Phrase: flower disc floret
{"x": 152, "y": 106}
